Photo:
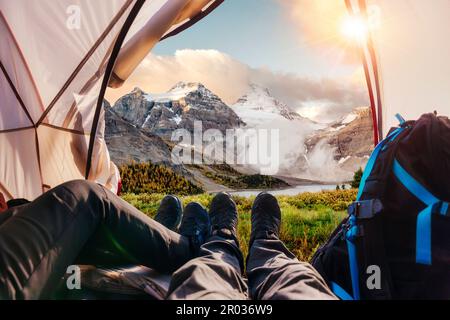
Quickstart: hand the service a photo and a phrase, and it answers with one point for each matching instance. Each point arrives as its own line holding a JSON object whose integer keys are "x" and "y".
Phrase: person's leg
{"x": 274, "y": 273}
{"x": 70, "y": 223}
{"x": 217, "y": 272}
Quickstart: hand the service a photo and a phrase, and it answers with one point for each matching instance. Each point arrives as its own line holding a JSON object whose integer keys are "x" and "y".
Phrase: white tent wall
{"x": 17, "y": 116}
{"x": 19, "y": 168}
{"x": 52, "y": 76}
{"x": 410, "y": 42}
{"x": 56, "y": 58}
{"x": 51, "y": 41}
{"x": 15, "y": 70}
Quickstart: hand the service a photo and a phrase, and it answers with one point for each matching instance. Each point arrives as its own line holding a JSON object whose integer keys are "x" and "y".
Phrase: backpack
{"x": 395, "y": 242}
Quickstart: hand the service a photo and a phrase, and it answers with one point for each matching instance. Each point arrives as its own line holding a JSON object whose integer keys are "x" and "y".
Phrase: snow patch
{"x": 179, "y": 91}
{"x": 177, "y": 119}
{"x": 343, "y": 160}
{"x": 147, "y": 119}
{"x": 349, "y": 118}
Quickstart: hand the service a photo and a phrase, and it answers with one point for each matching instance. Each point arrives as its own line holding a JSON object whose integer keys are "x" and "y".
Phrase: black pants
{"x": 79, "y": 222}
{"x": 82, "y": 223}
{"x": 273, "y": 274}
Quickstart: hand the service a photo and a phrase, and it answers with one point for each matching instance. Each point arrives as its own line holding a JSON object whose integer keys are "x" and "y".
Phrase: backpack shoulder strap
{"x": 365, "y": 243}
{"x": 434, "y": 206}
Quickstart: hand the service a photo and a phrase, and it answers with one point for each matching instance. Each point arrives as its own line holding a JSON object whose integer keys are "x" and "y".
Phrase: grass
{"x": 307, "y": 219}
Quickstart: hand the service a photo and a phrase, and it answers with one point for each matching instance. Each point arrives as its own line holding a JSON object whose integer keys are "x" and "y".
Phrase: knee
{"x": 80, "y": 189}
{"x": 194, "y": 266}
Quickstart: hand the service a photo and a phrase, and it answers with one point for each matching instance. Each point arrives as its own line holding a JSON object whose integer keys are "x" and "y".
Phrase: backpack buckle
{"x": 442, "y": 208}
{"x": 351, "y": 230}
{"x": 366, "y": 209}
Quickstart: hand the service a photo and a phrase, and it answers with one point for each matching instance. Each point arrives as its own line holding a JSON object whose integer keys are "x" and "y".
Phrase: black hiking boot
{"x": 224, "y": 220}
{"x": 266, "y": 218}
{"x": 169, "y": 213}
{"x": 196, "y": 225}
{"x": 224, "y": 216}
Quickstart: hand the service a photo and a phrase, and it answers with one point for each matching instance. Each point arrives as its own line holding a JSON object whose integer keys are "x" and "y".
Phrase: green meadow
{"x": 307, "y": 219}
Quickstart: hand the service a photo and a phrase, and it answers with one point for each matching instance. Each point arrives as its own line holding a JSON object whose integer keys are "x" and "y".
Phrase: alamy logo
{"x": 73, "y": 21}
{"x": 259, "y": 148}
{"x": 374, "y": 280}
{"x": 73, "y": 281}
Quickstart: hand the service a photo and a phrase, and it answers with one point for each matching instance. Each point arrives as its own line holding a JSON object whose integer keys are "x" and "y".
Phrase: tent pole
{"x": 368, "y": 81}
{"x": 122, "y": 34}
{"x": 374, "y": 60}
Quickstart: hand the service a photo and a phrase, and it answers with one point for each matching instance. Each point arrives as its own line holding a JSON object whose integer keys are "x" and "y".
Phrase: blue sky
{"x": 259, "y": 34}
{"x": 287, "y": 46}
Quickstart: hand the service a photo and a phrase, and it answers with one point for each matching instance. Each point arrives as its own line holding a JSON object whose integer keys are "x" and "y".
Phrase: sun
{"x": 354, "y": 28}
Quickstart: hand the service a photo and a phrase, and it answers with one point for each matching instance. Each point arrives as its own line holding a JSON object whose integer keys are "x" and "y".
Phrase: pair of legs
{"x": 273, "y": 272}
{"x": 79, "y": 222}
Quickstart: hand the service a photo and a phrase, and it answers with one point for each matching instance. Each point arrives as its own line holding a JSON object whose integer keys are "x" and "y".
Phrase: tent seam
{"x": 83, "y": 62}
{"x": 17, "y": 94}
{"x": 16, "y": 129}
{"x": 30, "y": 75}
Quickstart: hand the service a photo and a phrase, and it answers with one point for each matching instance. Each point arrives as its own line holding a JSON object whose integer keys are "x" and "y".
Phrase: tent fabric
{"x": 51, "y": 76}
{"x": 407, "y": 58}
{"x": 55, "y": 61}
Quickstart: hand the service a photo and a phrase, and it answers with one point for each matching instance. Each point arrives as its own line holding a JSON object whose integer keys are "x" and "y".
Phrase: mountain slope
{"x": 259, "y": 99}
{"x": 336, "y": 152}
{"x": 128, "y": 143}
{"x": 351, "y": 136}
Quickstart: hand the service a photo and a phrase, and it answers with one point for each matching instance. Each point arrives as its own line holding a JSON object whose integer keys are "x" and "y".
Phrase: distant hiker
{"x": 273, "y": 271}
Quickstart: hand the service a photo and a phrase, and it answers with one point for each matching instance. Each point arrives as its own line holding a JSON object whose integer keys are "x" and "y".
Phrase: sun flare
{"x": 354, "y": 28}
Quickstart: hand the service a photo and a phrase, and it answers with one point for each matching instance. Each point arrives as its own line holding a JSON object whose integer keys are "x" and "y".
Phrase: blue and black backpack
{"x": 400, "y": 224}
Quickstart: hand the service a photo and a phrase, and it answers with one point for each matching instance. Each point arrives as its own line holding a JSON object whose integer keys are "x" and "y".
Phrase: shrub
{"x": 151, "y": 178}
{"x": 357, "y": 178}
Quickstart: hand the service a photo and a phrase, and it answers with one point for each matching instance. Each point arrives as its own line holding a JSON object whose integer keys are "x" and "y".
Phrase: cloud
{"x": 222, "y": 74}
{"x": 331, "y": 98}
{"x": 230, "y": 79}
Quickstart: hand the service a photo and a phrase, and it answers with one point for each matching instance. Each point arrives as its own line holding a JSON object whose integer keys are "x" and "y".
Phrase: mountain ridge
{"x": 140, "y": 125}
{"x": 177, "y": 108}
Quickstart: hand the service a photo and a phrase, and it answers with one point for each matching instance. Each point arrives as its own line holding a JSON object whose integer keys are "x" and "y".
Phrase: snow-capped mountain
{"x": 260, "y": 110}
{"x": 177, "y": 108}
{"x": 259, "y": 99}
{"x": 303, "y": 148}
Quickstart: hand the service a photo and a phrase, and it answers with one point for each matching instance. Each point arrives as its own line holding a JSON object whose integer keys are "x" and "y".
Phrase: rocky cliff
{"x": 351, "y": 136}
{"x": 336, "y": 152}
{"x": 127, "y": 142}
{"x": 178, "y": 108}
